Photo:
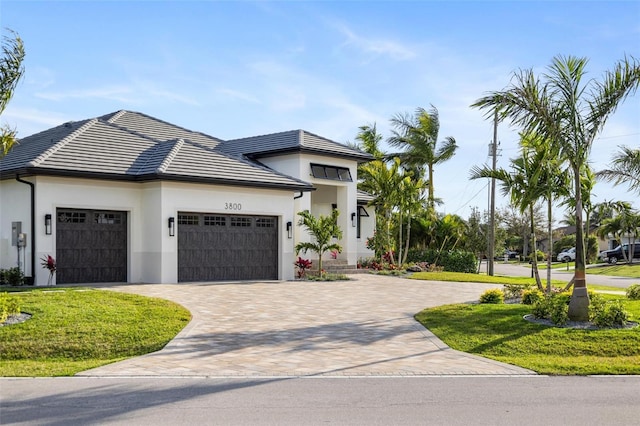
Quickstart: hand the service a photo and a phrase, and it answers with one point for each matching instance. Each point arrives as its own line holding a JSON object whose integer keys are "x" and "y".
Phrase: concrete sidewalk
{"x": 363, "y": 327}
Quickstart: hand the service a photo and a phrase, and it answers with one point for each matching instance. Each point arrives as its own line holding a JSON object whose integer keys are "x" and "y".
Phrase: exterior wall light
{"x": 47, "y": 224}
{"x": 172, "y": 226}
{"x": 289, "y": 230}
{"x": 353, "y": 220}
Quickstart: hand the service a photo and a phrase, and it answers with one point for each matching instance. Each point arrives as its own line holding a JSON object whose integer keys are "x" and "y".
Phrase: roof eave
{"x": 31, "y": 171}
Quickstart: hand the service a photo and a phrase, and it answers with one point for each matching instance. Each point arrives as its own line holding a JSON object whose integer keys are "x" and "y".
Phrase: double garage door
{"x": 91, "y": 246}
{"x": 214, "y": 247}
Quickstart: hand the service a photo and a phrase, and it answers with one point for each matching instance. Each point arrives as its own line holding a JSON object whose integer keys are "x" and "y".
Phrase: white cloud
{"x": 375, "y": 47}
{"x": 122, "y": 94}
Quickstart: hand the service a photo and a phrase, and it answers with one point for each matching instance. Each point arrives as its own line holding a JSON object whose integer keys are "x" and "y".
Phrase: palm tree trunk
{"x": 579, "y": 303}
{"x": 550, "y": 239}
{"x": 534, "y": 250}
{"x": 400, "y": 236}
{"x": 406, "y": 251}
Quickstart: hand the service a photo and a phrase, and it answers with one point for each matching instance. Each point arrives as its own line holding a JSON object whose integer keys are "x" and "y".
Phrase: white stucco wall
{"x": 152, "y": 253}
{"x": 178, "y": 197}
{"x": 328, "y": 192}
{"x": 15, "y": 199}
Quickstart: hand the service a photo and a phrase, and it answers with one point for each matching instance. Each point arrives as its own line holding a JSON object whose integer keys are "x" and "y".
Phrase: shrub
{"x": 11, "y": 276}
{"x": 531, "y": 296}
{"x": 554, "y": 308}
{"x": 450, "y": 261}
{"x": 539, "y": 256}
{"x": 610, "y": 314}
{"x": 633, "y": 292}
{"x": 495, "y": 296}
{"x": 9, "y": 304}
{"x": 514, "y": 291}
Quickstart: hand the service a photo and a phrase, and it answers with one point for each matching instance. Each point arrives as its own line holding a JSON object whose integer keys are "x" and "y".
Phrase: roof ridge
{"x": 117, "y": 115}
{"x": 176, "y": 126}
{"x": 62, "y": 142}
{"x": 177, "y": 144}
{"x": 261, "y": 136}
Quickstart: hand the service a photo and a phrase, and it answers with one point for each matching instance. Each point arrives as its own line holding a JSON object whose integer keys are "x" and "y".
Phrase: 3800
{"x": 233, "y": 206}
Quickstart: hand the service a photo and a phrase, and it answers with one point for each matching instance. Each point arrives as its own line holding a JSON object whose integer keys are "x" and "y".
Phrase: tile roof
{"x": 133, "y": 146}
{"x": 291, "y": 141}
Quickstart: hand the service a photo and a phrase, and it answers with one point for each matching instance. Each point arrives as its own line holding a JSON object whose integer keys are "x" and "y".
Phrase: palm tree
{"x": 418, "y": 136}
{"x": 411, "y": 202}
{"x": 369, "y": 140}
{"x": 553, "y": 183}
{"x": 11, "y": 71}
{"x": 625, "y": 168}
{"x": 626, "y": 222}
{"x": 570, "y": 113}
{"x": 322, "y": 229}
{"x": 383, "y": 182}
{"x": 525, "y": 186}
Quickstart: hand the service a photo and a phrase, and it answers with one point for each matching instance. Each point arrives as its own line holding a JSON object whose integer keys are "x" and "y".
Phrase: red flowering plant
{"x": 49, "y": 263}
{"x": 302, "y": 265}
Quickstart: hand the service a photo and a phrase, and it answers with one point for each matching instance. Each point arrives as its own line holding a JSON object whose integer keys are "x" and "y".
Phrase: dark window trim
{"x": 361, "y": 213}
{"x": 323, "y": 171}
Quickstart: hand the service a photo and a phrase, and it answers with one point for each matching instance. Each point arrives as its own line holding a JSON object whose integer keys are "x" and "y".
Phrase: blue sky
{"x": 236, "y": 69}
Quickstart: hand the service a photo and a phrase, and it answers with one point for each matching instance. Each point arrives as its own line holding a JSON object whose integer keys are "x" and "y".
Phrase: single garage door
{"x": 91, "y": 246}
{"x": 215, "y": 247}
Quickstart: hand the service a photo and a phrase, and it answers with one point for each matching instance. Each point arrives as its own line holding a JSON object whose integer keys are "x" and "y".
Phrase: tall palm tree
{"x": 553, "y": 183}
{"x": 417, "y": 135}
{"x": 11, "y": 71}
{"x": 411, "y": 202}
{"x": 625, "y": 168}
{"x": 383, "y": 182}
{"x": 570, "y": 113}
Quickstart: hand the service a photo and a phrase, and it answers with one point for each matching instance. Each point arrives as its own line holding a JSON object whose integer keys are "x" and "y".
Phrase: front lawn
{"x": 72, "y": 330}
{"x": 499, "y": 332}
{"x": 619, "y": 270}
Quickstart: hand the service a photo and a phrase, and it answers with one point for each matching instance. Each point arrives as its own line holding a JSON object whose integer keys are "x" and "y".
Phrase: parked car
{"x": 567, "y": 255}
{"x": 509, "y": 254}
{"x": 612, "y": 256}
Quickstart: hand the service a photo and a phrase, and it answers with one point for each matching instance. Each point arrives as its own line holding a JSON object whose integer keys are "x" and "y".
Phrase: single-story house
{"x": 126, "y": 197}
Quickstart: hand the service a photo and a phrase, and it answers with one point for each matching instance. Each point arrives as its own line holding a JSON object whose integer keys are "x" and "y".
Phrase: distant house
{"x": 126, "y": 197}
{"x": 543, "y": 243}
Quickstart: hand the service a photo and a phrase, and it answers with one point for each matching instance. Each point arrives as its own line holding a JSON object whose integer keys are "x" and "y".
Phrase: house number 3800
{"x": 232, "y": 206}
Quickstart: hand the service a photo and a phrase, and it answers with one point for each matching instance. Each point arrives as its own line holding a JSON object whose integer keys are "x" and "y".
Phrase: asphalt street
{"x": 524, "y": 270}
{"x": 529, "y": 400}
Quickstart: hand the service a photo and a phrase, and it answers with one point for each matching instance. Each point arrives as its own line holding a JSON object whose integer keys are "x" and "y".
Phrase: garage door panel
{"x": 226, "y": 247}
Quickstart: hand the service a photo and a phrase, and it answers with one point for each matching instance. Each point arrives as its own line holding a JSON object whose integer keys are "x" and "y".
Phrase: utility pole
{"x": 492, "y": 220}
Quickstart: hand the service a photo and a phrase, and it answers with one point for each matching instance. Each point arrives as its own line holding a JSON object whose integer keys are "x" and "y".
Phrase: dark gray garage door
{"x": 91, "y": 246}
{"x": 227, "y": 247}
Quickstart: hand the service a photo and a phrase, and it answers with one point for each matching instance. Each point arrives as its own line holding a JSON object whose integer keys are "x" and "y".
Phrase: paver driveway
{"x": 363, "y": 327}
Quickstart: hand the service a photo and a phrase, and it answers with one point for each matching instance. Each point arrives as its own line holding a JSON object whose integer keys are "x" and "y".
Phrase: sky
{"x": 233, "y": 69}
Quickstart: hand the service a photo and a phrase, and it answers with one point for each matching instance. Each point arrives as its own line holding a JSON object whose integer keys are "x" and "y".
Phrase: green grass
{"x": 499, "y": 332}
{"x": 480, "y": 278}
{"x": 499, "y": 280}
{"x": 619, "y": 270}
{"x": 72, "y": 330}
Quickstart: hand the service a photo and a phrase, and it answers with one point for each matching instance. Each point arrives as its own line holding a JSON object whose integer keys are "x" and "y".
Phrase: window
{"x": 108, "y": 218}
{"x": 215, "y": 221}
{"x": 188, "y": 219}
{"x": 72, "y": 217}
{"x": 331, "y": 172}
{"x": 361, "y": 213}
{"x": 265, "y": 222}
{"x": 241, "y": 221}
